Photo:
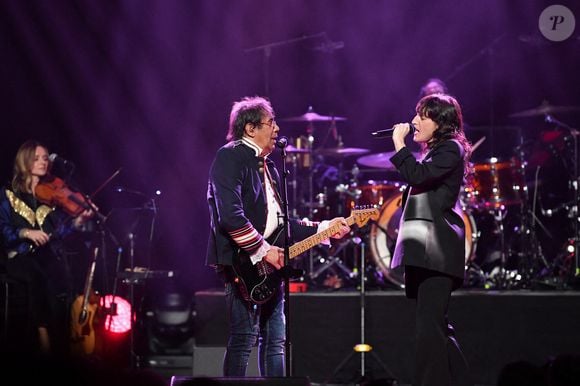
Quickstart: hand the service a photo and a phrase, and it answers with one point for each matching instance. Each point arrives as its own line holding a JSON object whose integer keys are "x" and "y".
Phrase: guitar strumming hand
{"x": 275, "y": 257}
{"x": 258, "y": 283}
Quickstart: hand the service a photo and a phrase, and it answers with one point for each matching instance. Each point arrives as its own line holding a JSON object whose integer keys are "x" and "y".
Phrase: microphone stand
{"x": 267, "y": 49}
{"x": 286, "y": 271}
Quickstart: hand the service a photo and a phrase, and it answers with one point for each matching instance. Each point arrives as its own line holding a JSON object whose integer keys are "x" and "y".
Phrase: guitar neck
{"x": 89, "y": 279}
{"x": 312, "y": 241}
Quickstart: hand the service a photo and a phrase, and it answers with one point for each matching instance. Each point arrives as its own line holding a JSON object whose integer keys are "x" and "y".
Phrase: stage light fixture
{"x": 117, "y": 314}
{"x": 170, "y": 324}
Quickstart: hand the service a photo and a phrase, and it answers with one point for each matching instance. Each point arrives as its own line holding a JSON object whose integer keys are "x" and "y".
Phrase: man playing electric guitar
{"x": 245, "y": 208}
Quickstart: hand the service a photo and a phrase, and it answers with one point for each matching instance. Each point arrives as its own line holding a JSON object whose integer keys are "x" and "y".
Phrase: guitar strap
{"x": 273, "y": 239}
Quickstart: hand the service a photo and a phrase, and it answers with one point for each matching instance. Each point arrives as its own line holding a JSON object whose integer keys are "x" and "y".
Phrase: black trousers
{"x": 439, "y": 360}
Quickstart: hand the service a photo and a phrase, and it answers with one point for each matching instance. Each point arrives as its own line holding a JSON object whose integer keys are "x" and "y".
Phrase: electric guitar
{"x": 258, "y": 283}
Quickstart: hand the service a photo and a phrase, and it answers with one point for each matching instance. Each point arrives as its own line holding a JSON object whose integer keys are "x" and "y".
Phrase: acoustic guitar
{"x": 258, "y": 283}
{"x": 83, "y": 310}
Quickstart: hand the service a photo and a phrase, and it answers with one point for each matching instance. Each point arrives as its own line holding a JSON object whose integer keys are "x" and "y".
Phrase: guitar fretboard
{"x": 312, "y": 241}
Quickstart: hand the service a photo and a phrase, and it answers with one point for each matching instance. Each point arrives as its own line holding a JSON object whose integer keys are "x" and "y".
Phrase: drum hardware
{"x": 303, "y": 150}
{"x": 477, "y": 144}
{"x": 557, "y": 148}
{"x": 294, "y": 150}
{"x": 292, "y": 181}
{"x": 348, "y": 189}
{"x": 499, "y": 276}
{"x": 497, "y": 183}
{"x": 311, "y": 116}
{"x": 305, "y": 156}
{"x": 545, "y": 109}
{"x": 354, "y": 172}
{"x": 309, "y": 190}
{"x": 572, "y": 247}
{"x": 372, "y": 193}
{"x": 300, "y": 157}
{"x": 340, "y": 151}
{"x": 332, "y": 259}
{"x": 381, "y": 160}
{"x": 532, "y": 263}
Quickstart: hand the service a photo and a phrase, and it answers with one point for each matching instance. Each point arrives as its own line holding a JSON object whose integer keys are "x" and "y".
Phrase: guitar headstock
{"x": 362, "y": 215}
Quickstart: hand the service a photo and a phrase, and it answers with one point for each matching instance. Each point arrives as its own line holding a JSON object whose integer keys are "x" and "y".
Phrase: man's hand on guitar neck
{"x": 343, "y": 230}
{"x": 275, "y": 256}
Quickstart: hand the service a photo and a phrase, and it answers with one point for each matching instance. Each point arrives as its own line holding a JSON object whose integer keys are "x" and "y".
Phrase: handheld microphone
{"x": 389, "y": 132}
{"x": 281, "y": 142}
{"x": 53, "y": 157}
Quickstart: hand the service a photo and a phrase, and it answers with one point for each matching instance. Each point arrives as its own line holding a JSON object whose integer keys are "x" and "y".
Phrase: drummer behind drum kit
{"x": 497, "y": 212}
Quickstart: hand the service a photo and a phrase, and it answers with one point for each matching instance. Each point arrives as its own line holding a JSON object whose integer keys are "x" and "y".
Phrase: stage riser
{"x": 250, "y": 381}
{"x": 494, "y": 328}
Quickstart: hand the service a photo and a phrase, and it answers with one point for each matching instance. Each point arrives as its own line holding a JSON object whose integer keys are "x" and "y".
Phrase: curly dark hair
{"x": 445, "y": 111}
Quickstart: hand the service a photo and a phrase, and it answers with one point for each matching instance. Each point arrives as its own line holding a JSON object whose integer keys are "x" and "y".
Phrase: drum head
{"x": 497, "y": 182}
{"x": 384, "y": 232}
{"x": 372, "y": 193}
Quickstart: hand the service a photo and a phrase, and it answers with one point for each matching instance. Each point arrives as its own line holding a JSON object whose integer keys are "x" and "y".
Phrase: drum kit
{"x": 501, "y": 216}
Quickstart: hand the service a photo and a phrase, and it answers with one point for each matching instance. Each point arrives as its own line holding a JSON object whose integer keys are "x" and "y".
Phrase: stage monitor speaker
{"x": 208, "y": 361}
{"x": 168, "y": 365}
{"x": 245, "y": 381}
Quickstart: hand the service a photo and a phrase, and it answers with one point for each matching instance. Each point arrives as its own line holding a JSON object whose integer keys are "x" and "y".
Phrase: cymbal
{"x": 341, "y": 151}
{"x": 544, "y": 109}
{"x": 380, "y": 160}
{"x": 311, "y": 116}
{"x": 292, "y": 149}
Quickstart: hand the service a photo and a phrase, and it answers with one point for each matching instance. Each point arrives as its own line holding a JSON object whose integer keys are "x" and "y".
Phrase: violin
{"x": 54, "y": 192}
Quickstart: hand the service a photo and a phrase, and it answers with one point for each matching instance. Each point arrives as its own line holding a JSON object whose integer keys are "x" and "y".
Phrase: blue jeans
{"x": 251, "y": 323}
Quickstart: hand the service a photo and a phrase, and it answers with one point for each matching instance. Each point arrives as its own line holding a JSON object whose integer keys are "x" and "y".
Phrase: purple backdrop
{"x": 146, "y": 86}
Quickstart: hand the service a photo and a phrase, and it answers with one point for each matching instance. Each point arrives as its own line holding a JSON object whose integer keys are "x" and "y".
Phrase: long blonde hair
{"x": 23, "y": 162}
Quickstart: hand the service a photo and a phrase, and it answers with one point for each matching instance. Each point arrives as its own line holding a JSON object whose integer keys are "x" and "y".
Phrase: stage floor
{"x": 493, "y": 327}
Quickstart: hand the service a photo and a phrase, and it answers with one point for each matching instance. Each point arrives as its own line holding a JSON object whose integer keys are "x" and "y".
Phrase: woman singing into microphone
{"x": 430, "y": 246}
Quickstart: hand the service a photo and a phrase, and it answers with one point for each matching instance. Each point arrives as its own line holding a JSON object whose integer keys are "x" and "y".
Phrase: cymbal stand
{"x": 294, "y": 184}
{"x": 310, "y": 163}
{"x": 528, "y": 239}
{"x": 499, "y": 213}
{"x": 310, "y": 176}
{"x": 362, "y": 347}
{"x": 573, "y": 210}
{"x": 133, "y": 357}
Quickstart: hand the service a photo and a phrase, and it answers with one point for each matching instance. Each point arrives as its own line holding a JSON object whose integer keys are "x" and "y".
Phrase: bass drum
{"x": 383, "y": 236}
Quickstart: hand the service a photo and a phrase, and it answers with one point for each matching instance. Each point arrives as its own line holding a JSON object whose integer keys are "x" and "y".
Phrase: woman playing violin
{"x": 31, "y": 235}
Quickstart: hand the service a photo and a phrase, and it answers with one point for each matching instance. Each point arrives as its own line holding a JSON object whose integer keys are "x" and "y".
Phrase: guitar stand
{"x": 362, "y": 348}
